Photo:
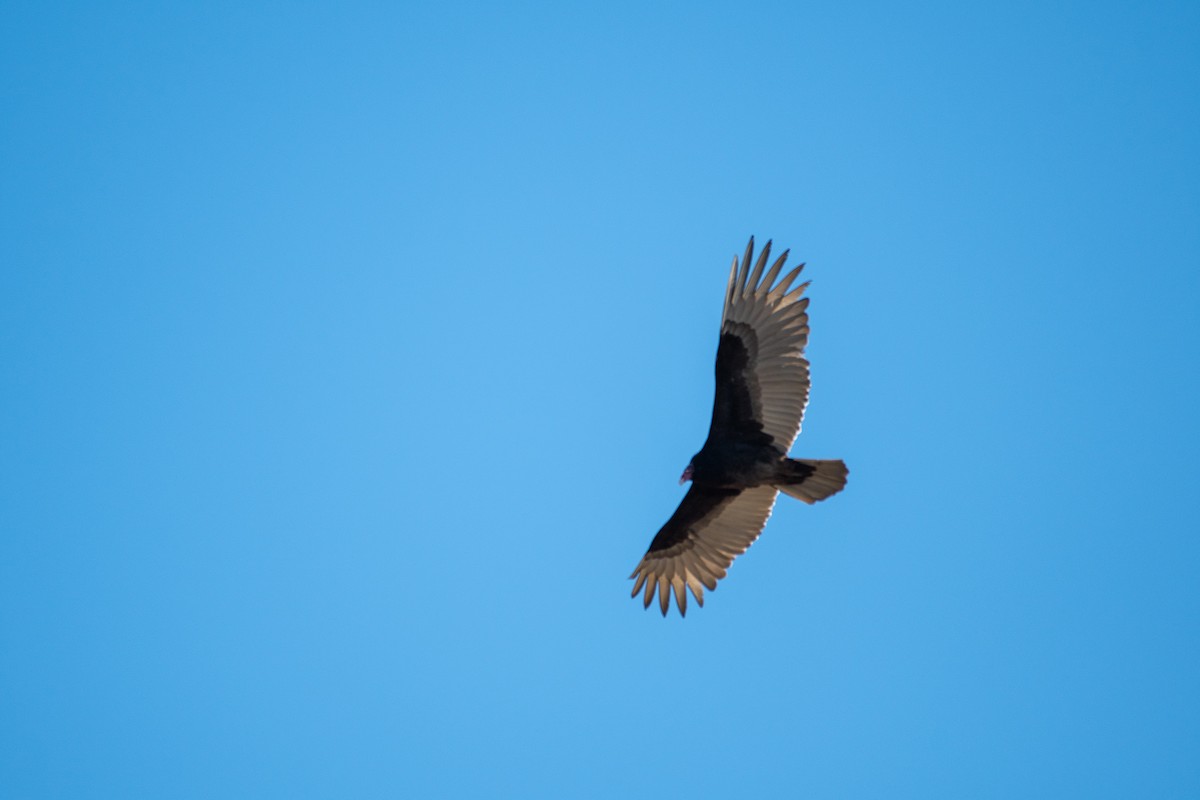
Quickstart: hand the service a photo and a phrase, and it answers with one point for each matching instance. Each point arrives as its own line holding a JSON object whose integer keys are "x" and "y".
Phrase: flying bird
{"x": 762, "y": 390}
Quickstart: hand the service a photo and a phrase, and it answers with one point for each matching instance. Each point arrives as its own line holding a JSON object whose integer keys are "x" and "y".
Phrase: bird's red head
{"x": 686, "y": 476}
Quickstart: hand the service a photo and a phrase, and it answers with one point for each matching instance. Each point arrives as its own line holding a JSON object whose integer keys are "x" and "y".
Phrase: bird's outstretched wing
{"x": 706, "y": 533}
{"x": 762, "y": 374}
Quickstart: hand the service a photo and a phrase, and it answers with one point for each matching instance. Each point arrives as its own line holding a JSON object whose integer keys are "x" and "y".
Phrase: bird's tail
{"x": 810, "y": 480}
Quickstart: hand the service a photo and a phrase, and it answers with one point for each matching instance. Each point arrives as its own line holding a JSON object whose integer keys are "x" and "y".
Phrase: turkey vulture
{"x": 762, "y": 389}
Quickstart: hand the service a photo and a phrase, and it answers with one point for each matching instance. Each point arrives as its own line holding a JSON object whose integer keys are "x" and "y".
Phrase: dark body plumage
{"x": 762, "y": 385}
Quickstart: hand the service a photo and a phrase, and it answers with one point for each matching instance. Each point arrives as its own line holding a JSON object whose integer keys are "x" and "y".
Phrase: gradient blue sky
{"x": 351, "y": 354}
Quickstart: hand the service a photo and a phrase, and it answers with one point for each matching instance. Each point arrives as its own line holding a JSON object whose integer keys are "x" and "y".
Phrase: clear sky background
{"x": 350, "y": 356}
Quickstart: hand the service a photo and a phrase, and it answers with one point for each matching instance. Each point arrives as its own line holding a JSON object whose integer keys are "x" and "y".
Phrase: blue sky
{"x": 351, "y": 355}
